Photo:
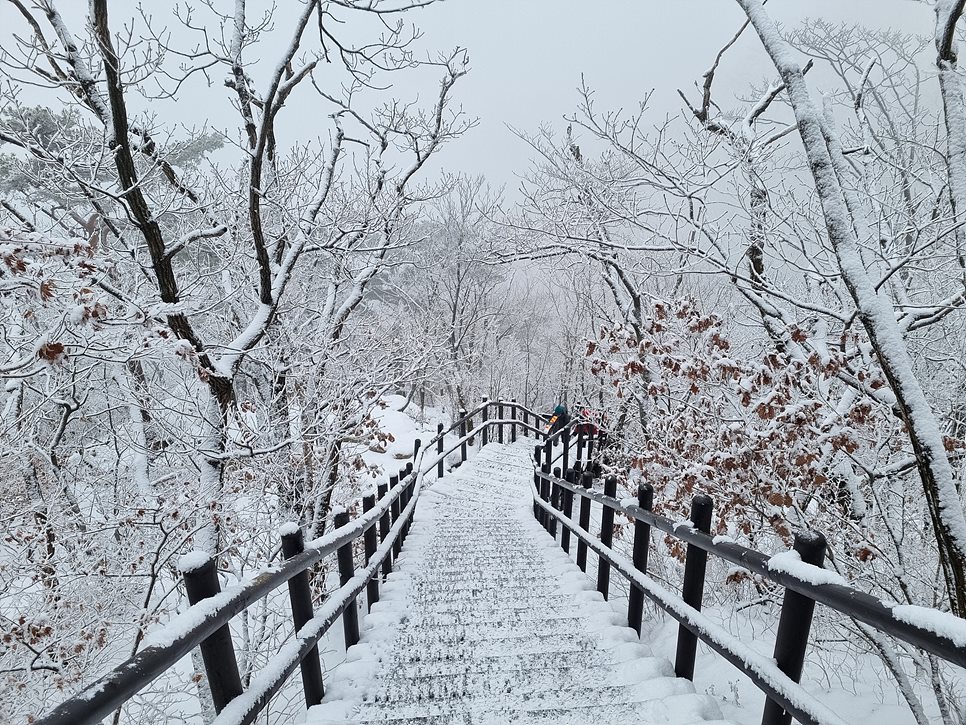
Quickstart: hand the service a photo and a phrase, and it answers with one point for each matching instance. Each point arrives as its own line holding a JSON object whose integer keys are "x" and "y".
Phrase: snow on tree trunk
{"x": 843, "y": 224}
{"x": 954, "y": 111}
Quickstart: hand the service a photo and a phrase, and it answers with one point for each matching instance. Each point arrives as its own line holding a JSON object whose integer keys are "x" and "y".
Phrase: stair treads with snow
{"x": 486, "y": 621}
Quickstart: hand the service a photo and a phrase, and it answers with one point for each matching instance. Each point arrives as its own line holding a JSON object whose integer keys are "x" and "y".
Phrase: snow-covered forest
{"x": 239, "y": 275}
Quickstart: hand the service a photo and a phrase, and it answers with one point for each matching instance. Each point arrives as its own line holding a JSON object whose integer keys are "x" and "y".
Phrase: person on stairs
{"x": 558, "y": 420}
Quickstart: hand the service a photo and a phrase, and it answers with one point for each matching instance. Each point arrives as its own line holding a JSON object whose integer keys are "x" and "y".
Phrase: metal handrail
{"x": 841, "y": 598}
{"x": 112, "y": 690}
{"x": 473, "y": 433}
{"x": 109, "y": 692}
{"x": 245, "y": 708}
{"x": 787, "y": 694}
{"x": 804, "y": 587}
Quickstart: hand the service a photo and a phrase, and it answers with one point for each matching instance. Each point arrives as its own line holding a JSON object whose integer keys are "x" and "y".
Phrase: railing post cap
{"x": 587, "y": 479}
{"x": 702, "y": 506}
{"x": 811, "y": 546}
{"x": 645, "y": 495}
{"x": 702, "y": 500}
{"x": 293, "y": 540}
{"x": 340, "y": 516}
{"x": 289, "y": 528}
{"x": 195, "y": 561}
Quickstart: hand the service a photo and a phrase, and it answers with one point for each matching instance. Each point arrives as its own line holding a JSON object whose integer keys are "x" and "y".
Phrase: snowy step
{"x": 475, "y": 650}
{"x": 507, "y": 635}
{"x": 510, "y": 590}
{"x": 604, "y": 714}
{"x": 561, "y": 676}
{"x": 540, "y": 667}
{"x": 513, "y": 606}
{"x": 450, "y": 613}
{"x": 472, "y": 658}
{"x": 669, "y": 706}
{"x": 464, "y": 569}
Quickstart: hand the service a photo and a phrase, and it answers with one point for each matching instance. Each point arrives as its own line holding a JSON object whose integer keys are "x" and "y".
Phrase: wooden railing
{"x": 800, "y": 574}
{"x": 382, "y": 527}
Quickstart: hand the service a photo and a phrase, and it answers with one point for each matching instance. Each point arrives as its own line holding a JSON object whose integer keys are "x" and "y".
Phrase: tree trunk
{"x": 844, "y": 223}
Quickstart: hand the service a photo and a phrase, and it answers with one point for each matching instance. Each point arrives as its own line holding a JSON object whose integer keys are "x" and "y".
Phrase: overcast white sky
{"x": 527, "y": 57}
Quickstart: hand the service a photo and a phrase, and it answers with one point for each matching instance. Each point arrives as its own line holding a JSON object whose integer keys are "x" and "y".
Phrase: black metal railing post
{"x": 580, "y": 445}
{"x": 537, "y": 511}
{"x": 545, "y": 496}
{"x": 545, "y": 487}
{"x": 350, "y": 616}
{"x": 416, "y": 445}
{"x": 499, "y": 426}
{"x": 463, "y": 432}
{"x": 372, "y": 587}
{"x": 408, "y": 483}
{"x": 565, "y": 440}
{"x": 554, "y": 501}
{"x": 586, "y": 480}
{"x": 547, "y": 453}
{"x": 439, "y": 450}
{"x": 384, "y": 524}
{"x": 606, "y": 537}
{"x": 642, "y": 538}
{"x": 217, "y": 652}
{"x": 794, "y": 626}
{"x": 486, "y": 416}
{"x": 695, "y": 565}
{"x": 394, "y": 513}
{"x": 590, "y": 448}
{"x": 300, "y": 597}
{"x": 568, "y": 510}
{"x": 410, "y": 477}
{"x": 513, "y": 417}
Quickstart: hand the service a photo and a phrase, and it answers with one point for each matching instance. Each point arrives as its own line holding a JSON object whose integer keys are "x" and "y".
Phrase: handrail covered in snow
{"x": 799, "y": 572}
{"x": 382, "y": 526}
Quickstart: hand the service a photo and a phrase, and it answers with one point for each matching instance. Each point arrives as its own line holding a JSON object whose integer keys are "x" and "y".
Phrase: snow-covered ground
{"x": 403, "y": 429}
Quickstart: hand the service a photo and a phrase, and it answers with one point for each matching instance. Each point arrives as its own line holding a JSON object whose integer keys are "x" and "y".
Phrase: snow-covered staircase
{"x": 486, "y": 620}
